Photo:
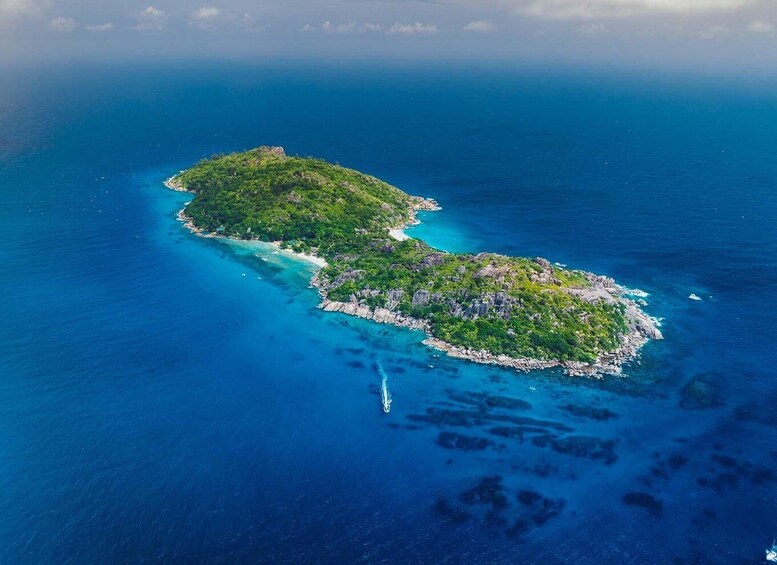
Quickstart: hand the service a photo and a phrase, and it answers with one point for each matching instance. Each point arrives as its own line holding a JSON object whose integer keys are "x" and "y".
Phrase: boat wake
{"x": 385, "y": 395}
{"x": 771, "y": 554}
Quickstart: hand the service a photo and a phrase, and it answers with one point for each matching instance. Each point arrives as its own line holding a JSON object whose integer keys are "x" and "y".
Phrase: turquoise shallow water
{"x": 168, "y": 397}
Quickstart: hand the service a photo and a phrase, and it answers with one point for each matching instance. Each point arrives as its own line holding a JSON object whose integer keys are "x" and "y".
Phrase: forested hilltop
{"x": 523, "y": 313}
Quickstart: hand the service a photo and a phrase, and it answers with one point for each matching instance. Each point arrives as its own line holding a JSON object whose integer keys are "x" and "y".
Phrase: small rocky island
{"x": 489, "y": 308}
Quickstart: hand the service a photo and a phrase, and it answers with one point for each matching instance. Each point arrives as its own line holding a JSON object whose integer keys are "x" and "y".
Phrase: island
{"x": 489, "y": 308}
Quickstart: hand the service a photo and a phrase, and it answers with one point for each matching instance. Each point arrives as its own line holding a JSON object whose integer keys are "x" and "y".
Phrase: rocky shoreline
{"x": 420, "y": 204}
{"x": 379, "y": 315}
{"x": 610, "y": 363}
{"x": 173, "y": 184}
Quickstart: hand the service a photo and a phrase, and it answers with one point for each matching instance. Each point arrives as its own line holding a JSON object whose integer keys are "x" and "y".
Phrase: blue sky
{"x": 735, "y": 34}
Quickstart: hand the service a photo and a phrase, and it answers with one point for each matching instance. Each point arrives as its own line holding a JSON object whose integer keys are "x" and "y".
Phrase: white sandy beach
{"x": 265, "y": 248}
{"x": 398, "y": 234}
{"x": 318, "y": 261}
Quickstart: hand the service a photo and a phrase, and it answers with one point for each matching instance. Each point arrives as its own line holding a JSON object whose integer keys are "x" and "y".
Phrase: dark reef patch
{"x": 451, "y": 440}
{"x": 536, "y": 511}
{"x": 521, "y": 527}
{"x": 731, "y": 470}
{"x": 516, "y": 432}
{"x": 470, "y": 418}
{"x": 664, "y": 468}
{"x": 590, "y": 412}
{"x": 493, "y": 519}
{"x": 762, "y": 412}
{"x": 539, "y": 469}
{"x": 659, "y": 472}
{"x": 445, "y": 417}
{"x": 677, "y": 461}
{"x": 488, "y": 503}
{"x": 700, "y": 393}
{"x": 724, "y": 461}
{"x": 593, "y": 448}
{"x": 484, "y": 502}
{"x": 548, "y": 510}
{"x": 721, "y": 483}
{"x": 643, "y": 500}
{"x": 451, "y": 514}
{"x": 540, "y": 507}
{"x": 490, "y": 491}
{"x": 763, "y": 475}
{"x": 485, "y": 401}
{"x": 441, "y": 366}
{"x": 529, "y": 497}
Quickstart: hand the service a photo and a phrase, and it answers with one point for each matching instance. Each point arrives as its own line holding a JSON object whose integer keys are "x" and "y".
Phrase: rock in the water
{"x": 654, "y": 506}
{"x": 699, "y": 393}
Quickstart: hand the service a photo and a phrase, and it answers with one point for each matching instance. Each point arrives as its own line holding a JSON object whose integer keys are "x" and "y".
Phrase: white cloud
{"x": 415, "y": 28}
{"x": 761, "y": 26}
{"x": 205, "y": 17}
{"x": 329, "y": 27}
{"x": 63, "y": 25}
{"x": 211, "y": 18}
{"x": 152, "y": 12}
{"x": 206, "y": 13}
{"x": 588, "y": 9}
{"x": 150, "y": 19}
{"x": 480, "y": 26}
{"x": 347, "y": 27}
{"x": 100, "y": 27}
{"x": 13, "y": 9}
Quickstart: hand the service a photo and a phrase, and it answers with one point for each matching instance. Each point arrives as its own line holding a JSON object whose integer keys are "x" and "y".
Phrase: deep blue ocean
{"x": 169, "y": 398}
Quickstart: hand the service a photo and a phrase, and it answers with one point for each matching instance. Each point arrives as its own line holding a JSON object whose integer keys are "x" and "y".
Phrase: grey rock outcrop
{"x": 421, "y": 298}
{"x": 380, "y": 315}
{"x": 544, "y": 263}
{"x": 393, "y": 297}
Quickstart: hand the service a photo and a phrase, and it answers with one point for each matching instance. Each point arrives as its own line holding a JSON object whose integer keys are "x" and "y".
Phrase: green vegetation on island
{"x": 491, "y": 308}
{"x": 307, "y": 204}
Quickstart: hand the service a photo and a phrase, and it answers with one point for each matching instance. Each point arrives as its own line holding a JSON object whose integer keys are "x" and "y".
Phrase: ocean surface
{"x": 169, "y": 398}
